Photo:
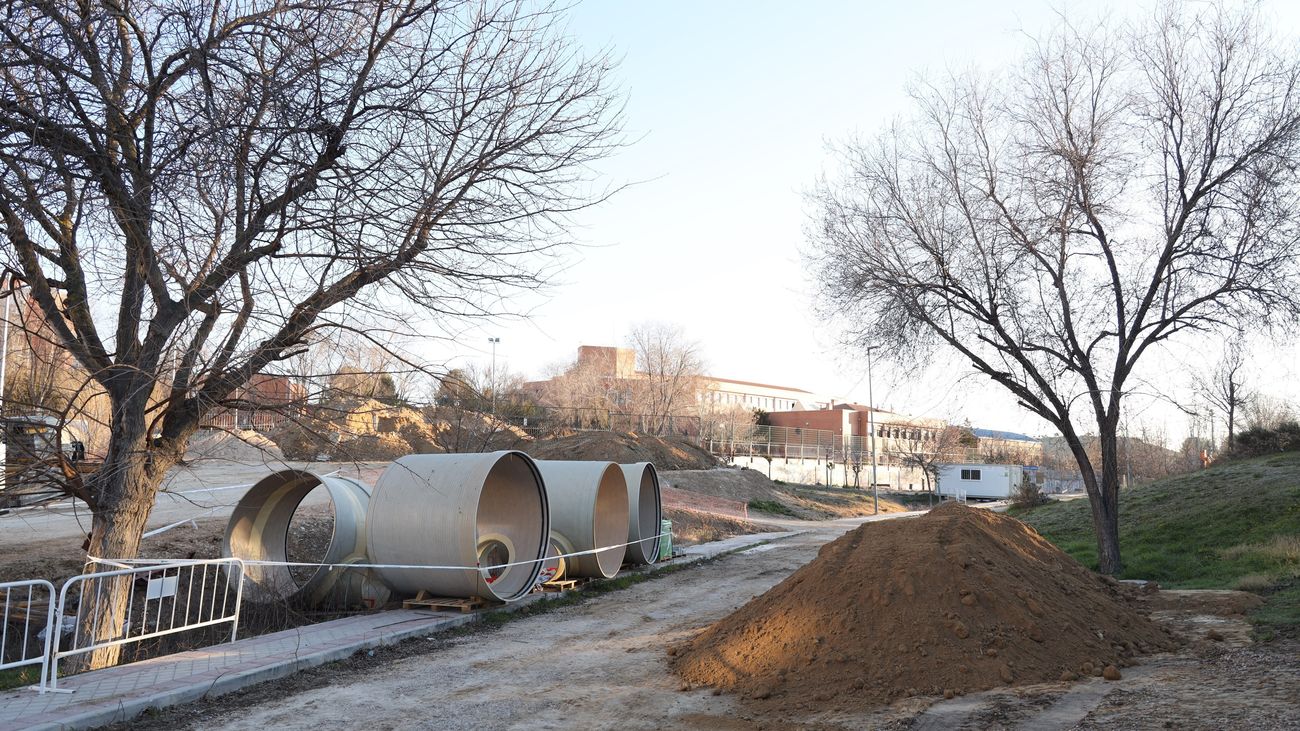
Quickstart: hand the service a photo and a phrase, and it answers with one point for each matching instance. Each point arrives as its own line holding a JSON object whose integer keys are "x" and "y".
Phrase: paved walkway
{"x": 122, "y": 693}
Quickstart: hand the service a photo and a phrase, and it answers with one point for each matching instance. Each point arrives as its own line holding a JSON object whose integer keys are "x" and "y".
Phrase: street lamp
{"x": 493, "y": 385}
{"x": 4, "y": 358}
{"x": 871, "y": 421}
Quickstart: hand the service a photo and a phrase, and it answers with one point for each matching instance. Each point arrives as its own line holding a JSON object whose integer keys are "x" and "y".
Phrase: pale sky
{"x": 729, "y": 109}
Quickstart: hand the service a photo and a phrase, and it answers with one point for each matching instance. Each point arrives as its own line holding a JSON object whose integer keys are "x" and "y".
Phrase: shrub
{"x": 1027, "y": 495}
{"x": 1256, "y": 441}
{"x": 771, "y": 506}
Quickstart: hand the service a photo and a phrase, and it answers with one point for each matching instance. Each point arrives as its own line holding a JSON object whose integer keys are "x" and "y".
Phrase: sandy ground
{"x": 601, "y": 664}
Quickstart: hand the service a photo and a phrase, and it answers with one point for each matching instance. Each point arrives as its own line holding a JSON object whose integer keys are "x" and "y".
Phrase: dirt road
{"x": 206, "y": 489}
{"x": 601, "y": 664}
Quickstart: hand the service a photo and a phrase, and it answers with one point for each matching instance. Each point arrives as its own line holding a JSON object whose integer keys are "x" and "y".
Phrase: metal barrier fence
{"x": 159, "y": 600}
{"x": 24, "y": 647}
{"x": 786, "y": 442}
{"x": 256, "y": 419}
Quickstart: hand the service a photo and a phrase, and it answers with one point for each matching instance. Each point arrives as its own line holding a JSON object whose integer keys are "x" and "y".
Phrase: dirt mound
{"x": 692, "y": 526}
{"x": 726, "y": 482}
{"x": 244, "y": 446}
{"x": 957, "y": 600}
{"x": 750, "y": 486}
{"x": 667, "y": 453}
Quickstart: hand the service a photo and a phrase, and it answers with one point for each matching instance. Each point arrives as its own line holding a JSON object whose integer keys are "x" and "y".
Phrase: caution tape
{"x": 129, "y": 562}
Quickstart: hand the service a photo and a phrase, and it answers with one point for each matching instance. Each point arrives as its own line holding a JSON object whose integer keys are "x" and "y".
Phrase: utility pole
{"x": 493, "y": 377}
{"x": 4, "y": 358}
{"x": 871, "y": 421}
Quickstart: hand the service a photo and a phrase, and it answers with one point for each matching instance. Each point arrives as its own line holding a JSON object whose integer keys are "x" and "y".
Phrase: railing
{"x": 786, "y": 442}
{"x": 18, "y": 648}
{"x": 160, "y": 600}
{"x": 256, "y": 419}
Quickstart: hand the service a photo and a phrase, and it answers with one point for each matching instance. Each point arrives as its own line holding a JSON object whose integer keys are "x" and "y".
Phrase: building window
{"x": 971, "y": 475}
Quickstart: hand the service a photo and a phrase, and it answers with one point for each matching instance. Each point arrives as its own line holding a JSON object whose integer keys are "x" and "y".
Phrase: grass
{"x": 773, "y": 507}
{"x": 1233, "y": 526}
{"x": 20, "y": 677}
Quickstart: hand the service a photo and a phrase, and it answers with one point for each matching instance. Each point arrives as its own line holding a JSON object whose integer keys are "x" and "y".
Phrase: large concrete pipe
{"x": 468, "y": 510}
{"x": 588, "y": 511}
{"x": 644, "y": 512}
{"x": 258, "y": 530}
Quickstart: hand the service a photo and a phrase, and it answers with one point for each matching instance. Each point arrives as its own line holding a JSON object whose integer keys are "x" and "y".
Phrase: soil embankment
{"x": 956, "y": 601}
{"x": 667, "y": 453}
{"x": 752, "y": 488}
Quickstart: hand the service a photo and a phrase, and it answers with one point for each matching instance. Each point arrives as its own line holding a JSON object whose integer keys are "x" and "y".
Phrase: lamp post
{"x": 871, "y": 421}
{"x": 493, "y": 385}
{"x": 11, "y": 285}
{"x": 4, "y": 358}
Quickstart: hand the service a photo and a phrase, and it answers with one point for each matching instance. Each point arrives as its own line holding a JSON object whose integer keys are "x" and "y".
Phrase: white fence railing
{"x": 28, "y": 625}
{"x": 159, "y": 600}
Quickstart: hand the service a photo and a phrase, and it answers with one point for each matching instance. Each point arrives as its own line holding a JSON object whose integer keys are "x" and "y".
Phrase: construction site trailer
{"x": 980, "y": 481}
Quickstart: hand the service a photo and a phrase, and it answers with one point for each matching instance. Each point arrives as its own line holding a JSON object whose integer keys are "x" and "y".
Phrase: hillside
{"x": 1233, "y": 526}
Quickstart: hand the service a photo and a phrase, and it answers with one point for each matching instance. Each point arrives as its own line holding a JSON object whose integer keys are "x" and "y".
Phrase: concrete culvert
{"x": 553, "y": 568}
{"x": 260, "y": 529}
{"x": 588, "y": 511}
{"x": 455, "y": 510}
{"x": 644, "y": 512}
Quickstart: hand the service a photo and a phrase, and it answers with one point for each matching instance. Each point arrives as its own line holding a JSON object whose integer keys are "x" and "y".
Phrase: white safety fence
{"x": 28, "y": 615}
{"x": 159, "y": 600}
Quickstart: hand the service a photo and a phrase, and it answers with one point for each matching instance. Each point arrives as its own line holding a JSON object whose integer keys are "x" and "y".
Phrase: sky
{"x": 730, "y": 109}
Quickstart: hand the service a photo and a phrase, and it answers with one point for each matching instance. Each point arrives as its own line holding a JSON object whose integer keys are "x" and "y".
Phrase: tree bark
{"x": 1232, "y": 410}
{"x": 1105, "y": 504}
{"x": 1103, "y": 494}
{"x": 124, "y": 489}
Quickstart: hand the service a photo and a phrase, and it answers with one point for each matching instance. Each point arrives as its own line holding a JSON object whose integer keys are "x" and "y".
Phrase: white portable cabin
{"x": 989, "y": 481}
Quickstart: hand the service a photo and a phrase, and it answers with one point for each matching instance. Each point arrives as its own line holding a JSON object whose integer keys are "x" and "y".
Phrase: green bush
{"x": 1258, "y": 441}
{"x": 773, "y": 507}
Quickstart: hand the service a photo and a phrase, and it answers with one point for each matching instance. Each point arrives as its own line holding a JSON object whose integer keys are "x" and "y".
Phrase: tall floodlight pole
{"x": 871, "y": 421}
{"x": 494, "y": 342}
{"x": 4, "y": 358}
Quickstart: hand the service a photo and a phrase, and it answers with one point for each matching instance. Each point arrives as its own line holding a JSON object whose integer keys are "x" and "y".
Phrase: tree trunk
{"x": 1232, "y": 409}
{"x": 124, "y": 489}
{"x": 1103, "y": 495}
{"x": 1105, "y": 505}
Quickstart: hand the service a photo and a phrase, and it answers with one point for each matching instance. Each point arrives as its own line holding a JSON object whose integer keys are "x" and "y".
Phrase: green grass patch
{"x": 20, "y": 677}
{"x": 773, "y": 507}
{"x": 1233, "y": 526}
{"x": 1280, "y": 614}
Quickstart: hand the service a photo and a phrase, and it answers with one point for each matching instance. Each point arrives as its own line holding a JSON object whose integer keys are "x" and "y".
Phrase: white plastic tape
{"x": 124, "y": 563}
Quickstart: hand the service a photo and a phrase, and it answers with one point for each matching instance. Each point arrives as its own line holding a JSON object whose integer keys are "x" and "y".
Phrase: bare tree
{"x": 1224, "y": 388}
{"x": 929, "y": 450}
{"x": 192, "y": 190}
{"x": 1269, "y": 412}
{"x": 672, "y": 368}
{"x": 580, "y": 394}
{"x": 1054, "y": 224}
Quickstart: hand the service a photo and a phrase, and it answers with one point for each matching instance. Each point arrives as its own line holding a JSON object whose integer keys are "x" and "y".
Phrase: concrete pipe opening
{"x": 644, "y": 512}
{"x": 553, "y": 568}
{"x": 588, "y": 511}
{"x": 279, "y": 519}
{"x": 460, "y": 510}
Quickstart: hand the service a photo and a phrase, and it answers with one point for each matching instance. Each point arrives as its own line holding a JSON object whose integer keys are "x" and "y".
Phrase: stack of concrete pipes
{"x": 490, "y": 525}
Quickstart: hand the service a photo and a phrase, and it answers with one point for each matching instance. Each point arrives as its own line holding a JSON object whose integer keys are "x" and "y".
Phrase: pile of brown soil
{"x": 667, "y": 453}
{"x": 234, "y": 445}
{"x": 957, "y": 600}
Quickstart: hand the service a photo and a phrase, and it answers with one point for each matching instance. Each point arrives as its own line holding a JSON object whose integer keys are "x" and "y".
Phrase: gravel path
{"x": 601, "y": 664}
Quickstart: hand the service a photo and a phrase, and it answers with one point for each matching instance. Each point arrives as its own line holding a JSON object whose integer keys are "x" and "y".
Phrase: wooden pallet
{"x": 445, "y": 603}
{"x": 561, "y": 585}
